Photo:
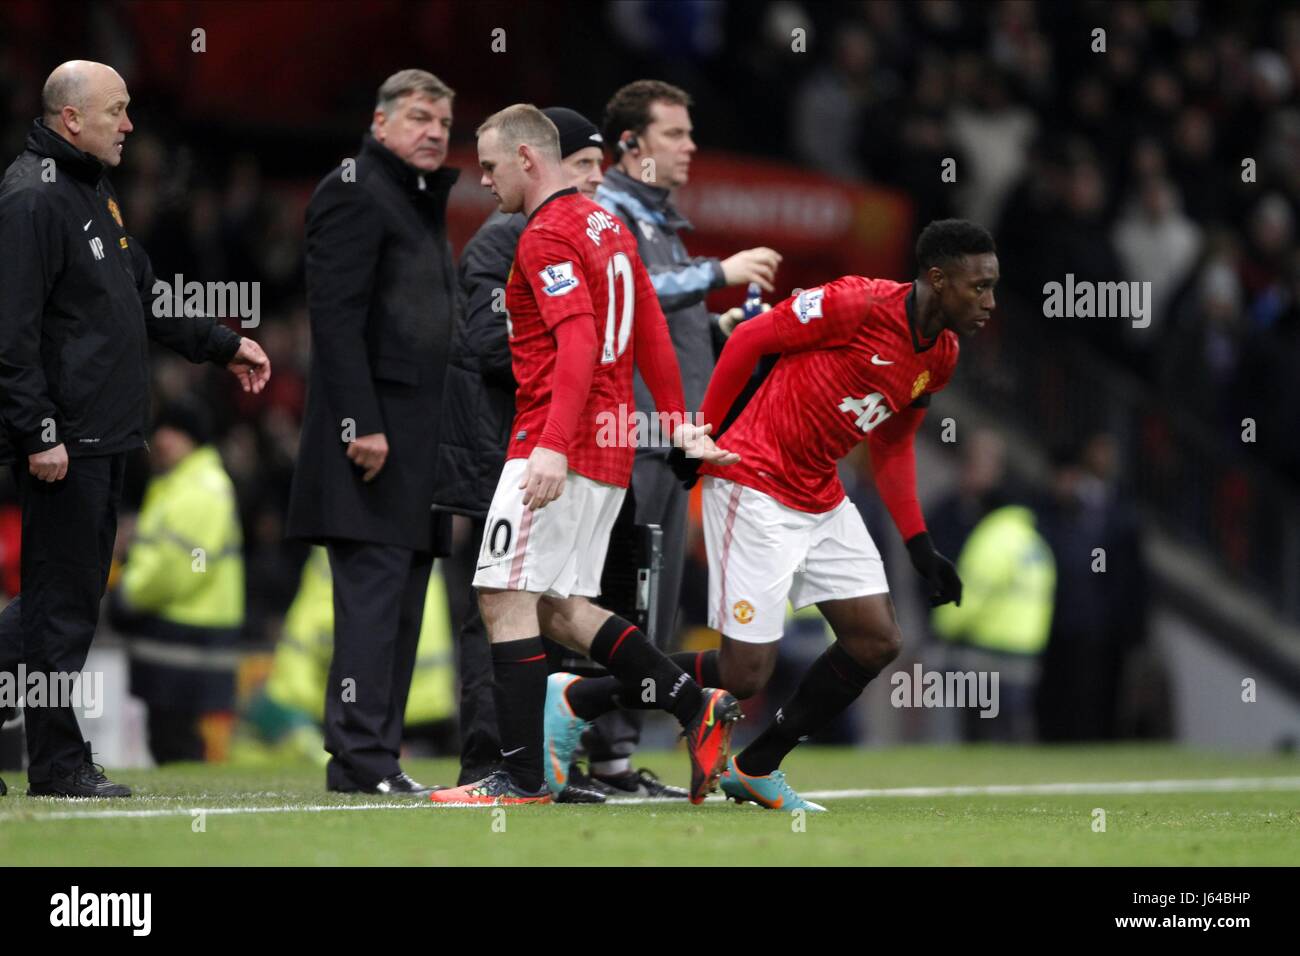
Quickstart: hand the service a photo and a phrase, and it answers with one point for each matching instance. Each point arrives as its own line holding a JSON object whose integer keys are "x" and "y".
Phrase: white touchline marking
{"x": 1206, "y": 785}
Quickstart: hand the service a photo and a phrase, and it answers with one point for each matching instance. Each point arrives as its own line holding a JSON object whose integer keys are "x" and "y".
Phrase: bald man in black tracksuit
{"x": 76, "y": 318}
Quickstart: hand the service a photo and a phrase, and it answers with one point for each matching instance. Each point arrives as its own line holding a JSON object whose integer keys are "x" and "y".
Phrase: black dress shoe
{"x": 398, "y": 785}
{"x": 401, "y": 785}
{"x": 88, "y": 780}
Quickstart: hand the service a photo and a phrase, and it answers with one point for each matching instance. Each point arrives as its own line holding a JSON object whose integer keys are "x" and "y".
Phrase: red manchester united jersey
{"x": 575, "y": 258}
{"x": 852, "y": 358}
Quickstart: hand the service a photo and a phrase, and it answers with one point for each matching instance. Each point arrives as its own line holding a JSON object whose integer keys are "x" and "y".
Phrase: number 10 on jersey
{"x": 618, "y": 267}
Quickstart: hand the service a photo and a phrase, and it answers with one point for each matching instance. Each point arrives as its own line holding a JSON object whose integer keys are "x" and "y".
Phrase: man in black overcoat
{"x": 381, "y": 292}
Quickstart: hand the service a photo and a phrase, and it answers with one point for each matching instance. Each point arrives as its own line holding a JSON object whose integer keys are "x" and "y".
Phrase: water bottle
{"x": 753, "y": 301}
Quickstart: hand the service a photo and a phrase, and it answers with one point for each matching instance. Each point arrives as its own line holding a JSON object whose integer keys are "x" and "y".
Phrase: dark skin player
{"x": 959, "y": 298}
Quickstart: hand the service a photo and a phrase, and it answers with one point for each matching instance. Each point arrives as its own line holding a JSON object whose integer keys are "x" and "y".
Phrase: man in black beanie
{"x": 479, "y": 406}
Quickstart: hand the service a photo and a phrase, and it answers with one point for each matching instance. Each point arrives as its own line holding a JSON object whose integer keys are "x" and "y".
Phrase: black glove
{"x": 686, "y": 469}
{"x": 940, "y": 576}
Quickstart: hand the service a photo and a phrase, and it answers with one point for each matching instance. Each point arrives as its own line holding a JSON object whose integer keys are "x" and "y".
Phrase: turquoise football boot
{"x": 770, "y": 791}
{"x": 563, "y": 731}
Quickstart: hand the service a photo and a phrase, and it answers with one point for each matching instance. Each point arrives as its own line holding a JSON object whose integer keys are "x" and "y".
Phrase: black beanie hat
{"x": 576, "y": 131}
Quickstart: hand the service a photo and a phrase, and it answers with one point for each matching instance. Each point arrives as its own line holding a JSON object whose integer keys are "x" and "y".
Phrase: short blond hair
{"x": 524, "y": 123}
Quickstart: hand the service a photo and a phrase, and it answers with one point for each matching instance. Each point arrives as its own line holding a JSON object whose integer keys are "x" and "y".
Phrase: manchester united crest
{"x": 921, "y": 382}
{"x": 743, "y": 612}
{"x": 115, "y": 212}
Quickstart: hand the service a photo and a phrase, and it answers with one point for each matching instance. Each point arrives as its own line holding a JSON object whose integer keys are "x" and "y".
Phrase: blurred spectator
{"x": 1101, "y": 593}
{"x": 829, "y": 119}
{"x": 994, "y": 133}
{"x": 980, "y": 489}
{"x": 1002, "y": 623}
{"x": 180, "y": 597}
{"x": 1156, "y": 243}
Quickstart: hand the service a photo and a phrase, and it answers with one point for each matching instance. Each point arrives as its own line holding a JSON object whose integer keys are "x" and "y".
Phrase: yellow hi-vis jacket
{"x": 1008, "y": 586}
{"x": 301, "y": 666}
{"x": 186, "y": 562}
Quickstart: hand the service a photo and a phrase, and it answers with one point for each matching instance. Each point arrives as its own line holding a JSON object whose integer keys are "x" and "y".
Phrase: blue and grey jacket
{"x": 681, "y": 281}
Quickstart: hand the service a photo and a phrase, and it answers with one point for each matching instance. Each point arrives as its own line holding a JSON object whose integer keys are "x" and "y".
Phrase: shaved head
{"x": 69, "y": 83}
{"x": 85, "y": 103}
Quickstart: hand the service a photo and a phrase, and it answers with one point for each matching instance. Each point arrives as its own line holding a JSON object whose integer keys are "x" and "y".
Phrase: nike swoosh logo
{"x": 87, "y": 225}
{"x": 877, "y": 360}
{"x": 758, "y": 797}
{"x": 513, "y": 752}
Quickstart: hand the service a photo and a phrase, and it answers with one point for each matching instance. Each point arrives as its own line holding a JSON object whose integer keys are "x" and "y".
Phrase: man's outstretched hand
{"x": 692, "y": 446}
{"x": 695, "y": 442}
{"x": 251, "y": 366}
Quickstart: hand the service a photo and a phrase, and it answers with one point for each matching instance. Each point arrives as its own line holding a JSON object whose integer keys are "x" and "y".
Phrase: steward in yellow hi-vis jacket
{"x": 181, "y": 594}
{"x": 288, "y": 713}
{"x": 1002, "y": 625}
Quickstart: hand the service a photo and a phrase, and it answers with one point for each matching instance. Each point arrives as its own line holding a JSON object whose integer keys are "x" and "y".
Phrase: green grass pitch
{"x": 1246, "y": 822}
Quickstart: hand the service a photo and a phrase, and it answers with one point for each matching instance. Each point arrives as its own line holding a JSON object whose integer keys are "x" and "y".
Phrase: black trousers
{"x": 379, "y": 593}
{"x": 68, "y": 531}
{"x": 480, "y": 744}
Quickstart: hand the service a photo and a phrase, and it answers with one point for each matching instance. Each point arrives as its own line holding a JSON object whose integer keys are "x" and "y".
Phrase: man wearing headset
{"x": 648, "y": 124}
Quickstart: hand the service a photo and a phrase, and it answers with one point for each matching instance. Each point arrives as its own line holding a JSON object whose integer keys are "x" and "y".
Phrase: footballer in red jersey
{"x": 858, "y": 361}
{"x": 581, "y": 312}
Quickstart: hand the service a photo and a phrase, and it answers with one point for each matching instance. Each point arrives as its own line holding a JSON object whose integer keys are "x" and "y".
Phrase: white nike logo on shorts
{"x": 877, "y": 360}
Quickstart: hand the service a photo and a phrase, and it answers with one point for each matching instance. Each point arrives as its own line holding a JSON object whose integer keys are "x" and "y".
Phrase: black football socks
{"x": 832, "y": 683}
{"x": 643, "y": 678}
{"x": 701, "y": 665}
{"x": 520, "y": 695}
{"x": 592, "y": 697}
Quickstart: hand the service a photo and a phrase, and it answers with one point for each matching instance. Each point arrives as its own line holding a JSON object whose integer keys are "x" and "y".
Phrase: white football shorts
{"x": 558, "y": 550}
{"x": 762, "y": 553}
